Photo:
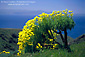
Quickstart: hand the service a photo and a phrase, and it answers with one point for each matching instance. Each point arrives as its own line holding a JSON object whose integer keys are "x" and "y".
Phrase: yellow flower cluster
{"x": 27, "y": 31}
{"x": 25, "y": 34}
{"x": 62, "y": 13}
{"x": 54, "y": 46}
{"x": 54, "y": 34}
{"x": 39, "y": 45}
{"x": 4, "y": 52}
{"x": 51, "y": 39}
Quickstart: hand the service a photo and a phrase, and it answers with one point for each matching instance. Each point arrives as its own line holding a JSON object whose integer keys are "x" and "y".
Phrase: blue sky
{"x": 42, "y": 5}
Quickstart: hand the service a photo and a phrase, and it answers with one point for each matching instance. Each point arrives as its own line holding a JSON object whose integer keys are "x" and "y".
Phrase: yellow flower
{"x": 58, "y": 11}
{"x": 20, "y": 51}
{"x": 62, "y": 14}
{"x": 68, "y": 14}
{"x": 7, "y": 52}
{"x": 63, "y": 10}
{"x": 69, "y": 11}
{"x": 51, "y": 39}
{"x": 43, "y": 14}
{"x": 53, "y": 46}
{"x": 71, "y": 14}
{"x": 50, "y": 14}
{"x": 41, "y": 20}
{"x": 33, "y": 26}
{"x": 40, "y": 15}
{"x": 18, "y": 54}
{"x": 49, "y": 31}
{"x": 24, "y": 45}
{"x": 53, "y": 13}
{"x": 40, "y": 46}
{"x": 37, "y": 47}
{"x": 66, "y": 10}
{"x": 20, "y": 47}
{"x": 25, "y": 27}
{"x": 20, "y": 33}
{"x": 56, "y": 44}
{"x": 3, "y": 51}
{"x": 52, "y": 31}
{"x": 31, "y": 32}
{"x": 19, "y": 43}
{"x": 47, "y": 15}
{"x": 36, "y": 17}
{"x": 19, "y": 39}
{"x": 29, "y": 38}
{"x": 58, "y": 14}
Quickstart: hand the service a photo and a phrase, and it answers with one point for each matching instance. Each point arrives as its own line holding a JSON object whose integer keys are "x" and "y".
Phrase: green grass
{"x": 78, "y": 50}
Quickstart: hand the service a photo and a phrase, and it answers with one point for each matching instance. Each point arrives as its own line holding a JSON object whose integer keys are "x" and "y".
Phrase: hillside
{"x": 78, "y": 40}
{"x": 8, "y": 39}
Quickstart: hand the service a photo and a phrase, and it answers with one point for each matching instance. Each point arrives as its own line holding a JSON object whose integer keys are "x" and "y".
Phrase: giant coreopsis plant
{"x": 41, "y": 32}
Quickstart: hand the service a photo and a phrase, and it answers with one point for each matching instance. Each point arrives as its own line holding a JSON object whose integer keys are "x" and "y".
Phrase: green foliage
{"x": 42, "y": 33}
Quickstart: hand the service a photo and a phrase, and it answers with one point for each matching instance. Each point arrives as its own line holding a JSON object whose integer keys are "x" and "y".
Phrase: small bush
{"x": 40, "y": 32}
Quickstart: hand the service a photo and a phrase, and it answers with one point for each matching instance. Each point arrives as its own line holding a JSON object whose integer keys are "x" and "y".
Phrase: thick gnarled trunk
{"x": 65, "y": 37}
{"x": 66, "y": 42}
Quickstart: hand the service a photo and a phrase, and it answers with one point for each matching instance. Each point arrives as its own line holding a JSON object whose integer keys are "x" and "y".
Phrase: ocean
{"x": 16, "y": 21}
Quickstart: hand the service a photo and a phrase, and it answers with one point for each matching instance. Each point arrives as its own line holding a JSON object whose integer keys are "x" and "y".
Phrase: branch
{"x": 49, "y": 34}
{"x": 55, "y": 40}
{"x": 62, "y": 37}
{"x": 58, "y": 43}
{"x": 56, "y": 32}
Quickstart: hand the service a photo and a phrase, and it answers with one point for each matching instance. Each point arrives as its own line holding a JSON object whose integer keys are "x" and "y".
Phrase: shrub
{"x": 41, "y": 32}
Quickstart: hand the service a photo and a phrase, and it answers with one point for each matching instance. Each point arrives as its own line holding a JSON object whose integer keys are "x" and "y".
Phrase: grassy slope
{"x": 8, "y": 39}
{"x": 78, "y": 50}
